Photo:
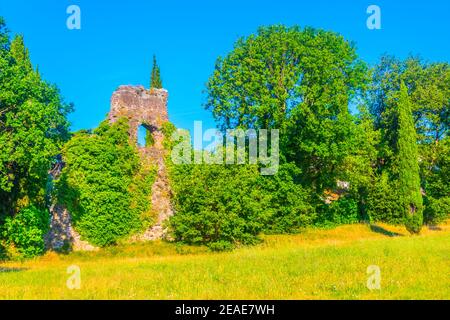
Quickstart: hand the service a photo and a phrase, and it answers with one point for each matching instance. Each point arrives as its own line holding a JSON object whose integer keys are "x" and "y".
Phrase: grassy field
{"x": 317, "y": 264}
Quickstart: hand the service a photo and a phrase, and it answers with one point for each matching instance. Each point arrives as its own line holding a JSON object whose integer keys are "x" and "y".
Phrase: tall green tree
{"x": 428, "y": 87}
{"x": 33, "y": 127}
{"x": 300, "y": 81}
{"x": 155, "y": 81}
{"x": 408, "y": 165}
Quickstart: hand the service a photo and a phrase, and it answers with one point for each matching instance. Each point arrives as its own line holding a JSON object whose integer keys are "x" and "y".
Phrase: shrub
{"x": 218, "y": 205}
{"x": 289, "y": 202}
{"x": 26, "y": 231}
{"x": 436, "y": 210}
{"x": 383, "y": 202}
{"x": 342, "y": 211}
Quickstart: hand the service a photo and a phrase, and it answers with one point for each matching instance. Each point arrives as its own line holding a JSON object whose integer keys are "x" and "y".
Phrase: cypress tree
{"x": 408, "y": 166}
{"x": 155, "y": 81}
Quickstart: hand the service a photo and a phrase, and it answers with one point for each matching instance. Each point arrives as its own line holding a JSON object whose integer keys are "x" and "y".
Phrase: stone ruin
{"x": 140, "y": 107}
{"x": 147, "y": 108}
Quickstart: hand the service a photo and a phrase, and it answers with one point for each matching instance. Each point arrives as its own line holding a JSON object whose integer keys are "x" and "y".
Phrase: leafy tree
{"x": 428, "y": 88}
{"x": 33, "y": 127}
{"x": 408, "y": 166}
{"x": 269, "y": 75}
{"x": 300, "y": 81}
{"x": 217, "y": 205}
{"x": 155, "y": 81}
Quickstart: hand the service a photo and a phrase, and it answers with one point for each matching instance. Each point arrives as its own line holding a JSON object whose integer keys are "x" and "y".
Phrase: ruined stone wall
{"x": 147, "y": 108}
{"x": 140, "y": 107}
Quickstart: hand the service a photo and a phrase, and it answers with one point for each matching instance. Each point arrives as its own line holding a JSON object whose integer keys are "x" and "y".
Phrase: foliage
{"x": 103, "y": 185}
{"x": 217, "y": 205}
{"x": 435, "y": 167}
{"x": 436, "y": 210}
{"x": 342, "y": 211}
{"x": 149, "y": 139}
{"x": 290, "y": 203}
{"x": 408, "y": 166}
{"x": 26, "y": 231}
{"x": 428, "y": 87}
{"x": 224, "y": 205}
{"x": 33, "y": 127}
{"x": 300, "y": 81}
{"x": 382, "y": 203}
{"x": 155, "y": 81}
{"x": 168, "y": 130}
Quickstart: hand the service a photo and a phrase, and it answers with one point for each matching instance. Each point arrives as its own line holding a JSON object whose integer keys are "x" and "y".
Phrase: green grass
{"x": 317, "y": 264}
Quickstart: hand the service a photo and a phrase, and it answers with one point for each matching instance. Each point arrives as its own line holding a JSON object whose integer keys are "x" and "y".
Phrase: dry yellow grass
{"x": 316, "y": 264}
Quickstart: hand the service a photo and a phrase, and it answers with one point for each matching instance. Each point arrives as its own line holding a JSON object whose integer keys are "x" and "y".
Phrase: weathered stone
{"x": 149, "y": 109}
{"x": 140, "y": 107}
{"x": 62, "y": 236}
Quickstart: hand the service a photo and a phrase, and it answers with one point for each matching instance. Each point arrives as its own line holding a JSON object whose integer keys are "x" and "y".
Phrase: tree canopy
{"x": 33, "y": 127}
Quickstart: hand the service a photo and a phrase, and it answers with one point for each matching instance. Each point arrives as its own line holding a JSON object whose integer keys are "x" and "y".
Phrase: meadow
{"x": 315, "y": 264}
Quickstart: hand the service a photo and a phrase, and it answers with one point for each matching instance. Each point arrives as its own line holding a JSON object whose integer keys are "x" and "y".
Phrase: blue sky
{"x": 118, "y": 38}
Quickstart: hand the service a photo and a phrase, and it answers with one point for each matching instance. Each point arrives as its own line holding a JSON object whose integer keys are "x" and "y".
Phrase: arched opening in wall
{"x": 145, "y": 136}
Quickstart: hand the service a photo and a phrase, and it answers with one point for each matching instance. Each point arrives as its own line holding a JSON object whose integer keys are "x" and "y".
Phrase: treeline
{"x": 387, "y": 160}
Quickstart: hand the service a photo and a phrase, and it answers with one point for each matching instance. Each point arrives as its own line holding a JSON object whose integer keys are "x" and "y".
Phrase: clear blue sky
{"x": 118, "y": 38}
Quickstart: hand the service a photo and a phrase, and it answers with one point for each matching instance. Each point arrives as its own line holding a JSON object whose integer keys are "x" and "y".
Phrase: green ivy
{"x": 104, "y": 186}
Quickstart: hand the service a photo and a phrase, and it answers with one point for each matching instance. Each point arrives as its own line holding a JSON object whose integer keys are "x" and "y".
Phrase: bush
{"x": 289, "y": 202}
{"x": 342, "y": 211}
{"x": 218, "y": 205}
{"x": 26, "y": 231}
{"x": 436, "y": 210}
{"x": 383, "y": 202}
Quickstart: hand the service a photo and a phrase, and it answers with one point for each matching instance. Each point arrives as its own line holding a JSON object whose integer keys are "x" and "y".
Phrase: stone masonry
{"x": 141, "y": 107}
{"x": 149, "y": 109}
